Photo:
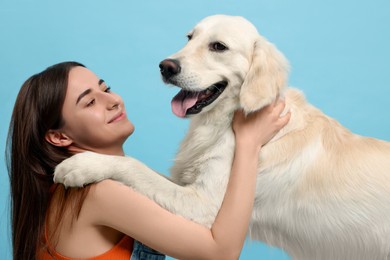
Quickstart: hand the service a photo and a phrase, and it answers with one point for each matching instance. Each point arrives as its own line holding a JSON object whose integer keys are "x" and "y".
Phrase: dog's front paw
{"x": 70, "y": 177}
{"x": 80, "y": 169}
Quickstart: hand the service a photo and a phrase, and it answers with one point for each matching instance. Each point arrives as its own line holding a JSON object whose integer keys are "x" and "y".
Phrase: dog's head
{"x": 225, "y": 59}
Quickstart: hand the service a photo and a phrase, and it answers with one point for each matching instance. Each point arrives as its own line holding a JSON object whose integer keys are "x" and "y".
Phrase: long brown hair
{"x": 31, "y": 159}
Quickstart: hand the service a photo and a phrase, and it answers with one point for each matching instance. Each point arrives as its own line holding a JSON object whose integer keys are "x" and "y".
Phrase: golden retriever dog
{"x": 322, "y": 191}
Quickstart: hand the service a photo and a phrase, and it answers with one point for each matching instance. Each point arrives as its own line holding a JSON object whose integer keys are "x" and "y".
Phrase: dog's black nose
{"x": 169, "y": 68}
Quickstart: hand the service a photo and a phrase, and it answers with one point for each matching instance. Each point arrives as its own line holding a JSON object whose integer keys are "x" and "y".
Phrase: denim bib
{"x": 142, "y": 252}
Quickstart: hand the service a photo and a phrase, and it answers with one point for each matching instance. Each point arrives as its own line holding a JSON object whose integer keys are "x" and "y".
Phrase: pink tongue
{"x": 183, "y": 101}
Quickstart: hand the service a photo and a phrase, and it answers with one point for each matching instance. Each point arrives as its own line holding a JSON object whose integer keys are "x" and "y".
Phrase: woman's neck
{"x": 109, "y": 151}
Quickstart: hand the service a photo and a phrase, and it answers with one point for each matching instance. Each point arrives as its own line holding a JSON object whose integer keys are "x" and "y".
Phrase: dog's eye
{"x": 189, "y": 36}
{"x": 217, "y": 46}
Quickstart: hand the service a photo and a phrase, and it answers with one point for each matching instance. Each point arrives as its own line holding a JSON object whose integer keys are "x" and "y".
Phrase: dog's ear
{"x": 266, "y": 77}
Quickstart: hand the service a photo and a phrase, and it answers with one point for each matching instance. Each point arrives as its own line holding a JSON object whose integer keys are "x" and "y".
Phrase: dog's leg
{"x": 90, "y": 167}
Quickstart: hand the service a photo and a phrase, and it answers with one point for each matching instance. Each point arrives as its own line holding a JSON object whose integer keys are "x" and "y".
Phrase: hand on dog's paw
{"x": 80, "y": 169}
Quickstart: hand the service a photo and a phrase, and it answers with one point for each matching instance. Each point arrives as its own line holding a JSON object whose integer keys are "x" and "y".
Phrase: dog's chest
{"x": 205, "y": 157}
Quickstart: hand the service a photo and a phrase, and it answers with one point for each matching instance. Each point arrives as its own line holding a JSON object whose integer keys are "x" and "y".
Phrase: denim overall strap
{"x": 142, "y": 252}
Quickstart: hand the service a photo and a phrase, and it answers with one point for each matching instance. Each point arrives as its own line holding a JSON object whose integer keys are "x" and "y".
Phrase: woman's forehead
{"x": 80, "y": 79}
{"x": 80, "y": 76}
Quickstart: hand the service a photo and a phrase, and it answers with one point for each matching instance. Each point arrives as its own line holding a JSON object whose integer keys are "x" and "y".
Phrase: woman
{"x": 67, "y": 109}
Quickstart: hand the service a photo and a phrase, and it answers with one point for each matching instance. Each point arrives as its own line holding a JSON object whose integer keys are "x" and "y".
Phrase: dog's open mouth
{"x": 189, "y": 102}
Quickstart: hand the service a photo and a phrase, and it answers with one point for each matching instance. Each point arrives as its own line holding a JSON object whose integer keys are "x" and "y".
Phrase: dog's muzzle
{"x": 192, "y": 102}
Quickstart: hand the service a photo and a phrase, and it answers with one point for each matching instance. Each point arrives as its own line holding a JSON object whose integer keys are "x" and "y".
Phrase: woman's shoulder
{"x": 119, "y": 207}
{"x": 108, "y": 196}
{"x": 108, "y": 190}
{"x": 108, "y": 184}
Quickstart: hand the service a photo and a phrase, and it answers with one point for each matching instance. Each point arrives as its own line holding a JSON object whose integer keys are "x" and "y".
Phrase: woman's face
{"x": 95, "y": 118}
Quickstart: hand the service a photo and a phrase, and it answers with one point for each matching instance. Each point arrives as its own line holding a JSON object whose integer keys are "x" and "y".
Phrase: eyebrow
{"x": 87, "y": 91}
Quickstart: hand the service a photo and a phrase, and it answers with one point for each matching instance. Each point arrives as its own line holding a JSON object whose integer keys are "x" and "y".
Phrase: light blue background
{"x": 338, "y": 50}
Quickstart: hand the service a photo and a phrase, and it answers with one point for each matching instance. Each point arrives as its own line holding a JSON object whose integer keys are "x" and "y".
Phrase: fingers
{"x": 278, "y": 110}
{"x": 276, "y": 101}
{"x": 283, "y": 120}
{"x": 279, "y": 106}
{"x": 276, "y": 107}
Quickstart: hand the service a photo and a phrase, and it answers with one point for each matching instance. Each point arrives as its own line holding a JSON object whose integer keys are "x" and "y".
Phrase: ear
{"x": 57, "y": 138}
{"x": 266, "y": 78}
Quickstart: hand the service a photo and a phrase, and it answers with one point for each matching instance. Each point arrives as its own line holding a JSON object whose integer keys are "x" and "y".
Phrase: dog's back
{"x": 323, "y": 192}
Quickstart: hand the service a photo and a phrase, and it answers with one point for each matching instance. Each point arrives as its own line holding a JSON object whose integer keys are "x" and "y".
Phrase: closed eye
{"x": 107, "y": 90}
{"x": 103, "y": 86}
{"x": 91, "y": 102}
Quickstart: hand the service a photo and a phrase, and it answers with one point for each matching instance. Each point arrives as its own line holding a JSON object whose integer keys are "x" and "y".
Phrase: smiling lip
{"x": 117, "y": 117}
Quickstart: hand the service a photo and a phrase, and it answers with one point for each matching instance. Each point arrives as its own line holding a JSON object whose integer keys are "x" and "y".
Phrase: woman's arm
{"x": 112, "y": 204}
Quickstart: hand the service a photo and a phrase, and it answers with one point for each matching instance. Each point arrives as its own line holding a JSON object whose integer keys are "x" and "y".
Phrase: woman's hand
{"x": 257, "y": 128}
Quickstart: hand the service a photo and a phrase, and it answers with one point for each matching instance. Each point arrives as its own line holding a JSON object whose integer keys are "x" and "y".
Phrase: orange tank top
{"x": 121, "y": 251}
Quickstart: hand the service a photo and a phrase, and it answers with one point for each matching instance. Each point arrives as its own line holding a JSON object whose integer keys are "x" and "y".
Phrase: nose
{"x": 169, "y": 68}
{"x": 113, "y": 102}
